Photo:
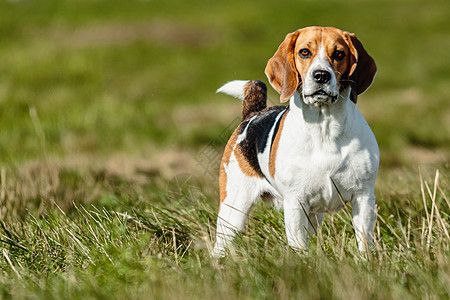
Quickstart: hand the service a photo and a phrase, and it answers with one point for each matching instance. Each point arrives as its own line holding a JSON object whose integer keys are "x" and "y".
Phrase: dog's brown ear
{"x": 281, "y": 70}
{"x": 362, "y": 67}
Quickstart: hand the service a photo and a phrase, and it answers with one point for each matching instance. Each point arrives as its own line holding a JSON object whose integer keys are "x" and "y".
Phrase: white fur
{"x": 320, "y": 143}
{"x": 234, "y": 88}
{"x": 264, "y": 158}
{"x": 243, "y": 135}
{"x": 242, "y": 192}
{"x": 310, "y": 86}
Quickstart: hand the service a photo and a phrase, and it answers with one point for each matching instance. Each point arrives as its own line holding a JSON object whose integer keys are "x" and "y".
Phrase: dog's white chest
{"x": 323, "y": 171}
{"x": 312, "y": 178}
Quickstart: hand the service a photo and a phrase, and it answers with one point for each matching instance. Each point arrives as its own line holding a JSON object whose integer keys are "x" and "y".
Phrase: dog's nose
{"x": 321, "y": 76}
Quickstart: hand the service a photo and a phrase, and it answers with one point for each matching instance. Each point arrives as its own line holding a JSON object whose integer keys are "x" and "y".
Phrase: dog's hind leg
{"x": 241, "y": 192}
{"x": 314, "y": 223}
{"x": 269, "y": 198}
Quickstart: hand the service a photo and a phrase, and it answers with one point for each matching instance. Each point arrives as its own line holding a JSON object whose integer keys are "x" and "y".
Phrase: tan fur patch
{"x": 245, "y": 166}
{"x": 225, "y": 160}
{"x": 274, "y": 149}
{"x": 286, "y": 67}
{"x": 331, "y": 39}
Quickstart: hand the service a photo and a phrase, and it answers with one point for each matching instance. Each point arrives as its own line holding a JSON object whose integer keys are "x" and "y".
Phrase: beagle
{"x": 311, "y": 156}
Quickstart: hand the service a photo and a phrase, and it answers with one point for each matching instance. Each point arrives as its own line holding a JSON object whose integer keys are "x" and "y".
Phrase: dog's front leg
{"x": 296, "y": 223}
{"x": 363, "y": 210}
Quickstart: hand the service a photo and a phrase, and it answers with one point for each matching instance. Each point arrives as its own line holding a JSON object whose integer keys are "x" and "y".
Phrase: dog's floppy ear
{"x": 362, "y": 67}
{"x": 281, "y": 70}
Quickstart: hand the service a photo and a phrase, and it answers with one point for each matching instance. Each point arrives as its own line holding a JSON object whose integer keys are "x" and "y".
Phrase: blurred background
{"x": 124, "y": 91}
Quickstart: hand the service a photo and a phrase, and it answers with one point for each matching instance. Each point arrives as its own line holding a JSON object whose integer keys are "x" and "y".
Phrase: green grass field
{"x": 111, "y": 132}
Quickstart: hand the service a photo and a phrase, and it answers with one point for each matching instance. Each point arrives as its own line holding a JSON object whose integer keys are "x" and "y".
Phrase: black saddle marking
{"x": 257, "y": 134}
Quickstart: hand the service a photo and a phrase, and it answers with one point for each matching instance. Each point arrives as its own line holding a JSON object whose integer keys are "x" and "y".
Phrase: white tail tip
{"x": 234, "y": 88}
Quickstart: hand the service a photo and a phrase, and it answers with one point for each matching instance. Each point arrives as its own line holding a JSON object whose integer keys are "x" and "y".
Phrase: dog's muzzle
{"x": 320, "y": 97}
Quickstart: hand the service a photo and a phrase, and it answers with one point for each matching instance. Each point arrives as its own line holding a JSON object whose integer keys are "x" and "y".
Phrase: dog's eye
{"x": 304, "y": 53}
{"x": 338, "y": 55}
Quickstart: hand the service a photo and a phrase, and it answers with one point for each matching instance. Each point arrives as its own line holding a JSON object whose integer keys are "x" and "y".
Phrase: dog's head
{"x": 320, "y": 62}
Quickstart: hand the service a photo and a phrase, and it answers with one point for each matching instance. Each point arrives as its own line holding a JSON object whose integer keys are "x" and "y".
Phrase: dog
{"x": 312, "y": 156}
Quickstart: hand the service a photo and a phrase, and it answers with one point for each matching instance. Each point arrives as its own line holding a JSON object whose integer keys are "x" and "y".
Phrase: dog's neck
{"x": 326, "y": 122}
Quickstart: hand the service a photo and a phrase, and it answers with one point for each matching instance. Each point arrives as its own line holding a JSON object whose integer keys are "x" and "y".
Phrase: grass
{"x": 131, "y": 247}
{"x": 110, "y": 133}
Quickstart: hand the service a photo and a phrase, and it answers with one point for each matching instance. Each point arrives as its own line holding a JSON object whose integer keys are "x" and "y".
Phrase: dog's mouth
{"x": 320, "y": 96}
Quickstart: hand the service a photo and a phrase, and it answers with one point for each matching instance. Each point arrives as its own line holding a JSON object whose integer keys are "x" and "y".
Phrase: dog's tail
{"x": 252, "y": 92}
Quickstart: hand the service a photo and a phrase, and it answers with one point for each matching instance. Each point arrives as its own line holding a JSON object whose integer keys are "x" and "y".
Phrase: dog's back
{"x": 258, "y": 128}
